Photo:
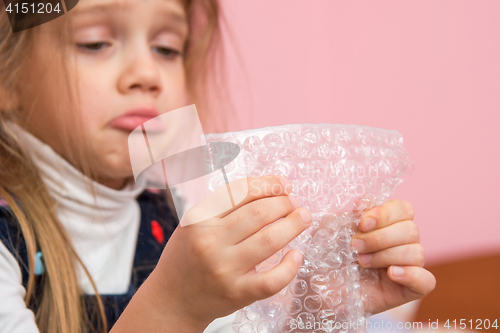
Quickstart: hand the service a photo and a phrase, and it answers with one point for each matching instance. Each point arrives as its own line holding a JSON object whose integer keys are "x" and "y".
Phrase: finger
{"x": 234, "y": 195}
{"x": 406, "y": 255}
{"x": 405, "y": 232}
{"x": 381, "y": 216}
{"x": 255, "y": 215}
{"x": 418, "y": 280}
{"x": 265, "y": 284}
{"x": 268, "y": 241}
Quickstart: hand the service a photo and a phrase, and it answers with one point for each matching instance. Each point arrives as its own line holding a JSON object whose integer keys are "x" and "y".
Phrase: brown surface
{"x": 467, "y": 289}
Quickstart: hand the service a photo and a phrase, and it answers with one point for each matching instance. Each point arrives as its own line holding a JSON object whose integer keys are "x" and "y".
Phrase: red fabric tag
{"x": 157, "y": 232}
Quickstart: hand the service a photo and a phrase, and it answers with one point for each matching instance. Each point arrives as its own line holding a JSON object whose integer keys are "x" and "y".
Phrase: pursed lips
{"x": 134, "y": 118}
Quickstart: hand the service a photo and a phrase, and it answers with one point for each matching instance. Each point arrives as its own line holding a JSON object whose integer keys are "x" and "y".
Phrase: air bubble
{"x": 334, "y": 260}
{"x": 333, "y": 298}
{"x": 313, "y": 303}
{"x": 344, "y": 313}
{"x": 310, "y": 136}
{"x": 298, "y": 288}
{"x": 327, "y": 314}
{"x": 272, "y": 309}
{"x": 324, "y": 151}
{"x": 306, "y": 318}
{"x": 253, "y": 312}
{"x": 246, "y": 328}
{"x": 251, "y": 143}
{"x": 293, "y": 306}
{"x": 286, "y": 324}
{"x": 306, "y": 269}
{"x": 335, "y": 278}
{"x": 319, "y": 283}
{"x": 271, "y": 140}
{"x": 265, "y": 326}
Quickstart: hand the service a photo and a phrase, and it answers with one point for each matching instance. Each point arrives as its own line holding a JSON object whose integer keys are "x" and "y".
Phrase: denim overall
{"x": 157, "y": 225}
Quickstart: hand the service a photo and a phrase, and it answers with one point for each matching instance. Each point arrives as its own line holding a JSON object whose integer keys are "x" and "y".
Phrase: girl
{"x": 74, "y": 224}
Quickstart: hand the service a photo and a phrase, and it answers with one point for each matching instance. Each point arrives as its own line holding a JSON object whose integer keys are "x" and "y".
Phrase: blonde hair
{"x": 61, "y": 308}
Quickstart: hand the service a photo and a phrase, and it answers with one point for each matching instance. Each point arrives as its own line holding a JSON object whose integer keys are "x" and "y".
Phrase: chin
{"x": 121, "y": 171}
{"x": 116, "y": 179}
{"x": 114, "y": 166}
{"x": 113, "y": 161}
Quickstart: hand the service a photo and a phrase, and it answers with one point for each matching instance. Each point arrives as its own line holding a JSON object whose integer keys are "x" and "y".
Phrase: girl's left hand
{"x": 389, "y": 240}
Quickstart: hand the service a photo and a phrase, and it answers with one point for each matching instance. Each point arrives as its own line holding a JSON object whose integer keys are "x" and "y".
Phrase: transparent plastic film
{"x": 337, "y": 173}
{"x": 170, "y": 151}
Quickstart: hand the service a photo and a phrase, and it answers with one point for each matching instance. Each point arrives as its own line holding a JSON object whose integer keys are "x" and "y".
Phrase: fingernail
{"x": 297, "y": 257}
{"x": 306, "y": 217}
{"x": 397, "y": 271}
{"x": 287, "y": 186}
{"x": 359, "y": 245}
{"x": 365, "y": 258}
{"x": 294, "y": 202}
{"x": 369, "y": 224}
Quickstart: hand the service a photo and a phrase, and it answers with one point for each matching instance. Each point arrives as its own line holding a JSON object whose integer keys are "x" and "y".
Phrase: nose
{"x": 140, "y": 73}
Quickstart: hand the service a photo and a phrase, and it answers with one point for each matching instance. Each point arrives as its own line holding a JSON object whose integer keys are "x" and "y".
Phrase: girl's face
{"x": 129, "y": 68}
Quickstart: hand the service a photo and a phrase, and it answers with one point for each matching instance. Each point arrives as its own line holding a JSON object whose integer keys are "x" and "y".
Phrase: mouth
{"x": 134, "y": 118}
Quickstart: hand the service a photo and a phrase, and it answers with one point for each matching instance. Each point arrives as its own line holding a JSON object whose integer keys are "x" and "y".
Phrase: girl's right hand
{"x": 207, "y": 269}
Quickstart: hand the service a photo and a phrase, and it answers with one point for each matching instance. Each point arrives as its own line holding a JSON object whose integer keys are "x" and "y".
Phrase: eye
{"x": 167, "y": 52}
{"x": 92, "y": 47}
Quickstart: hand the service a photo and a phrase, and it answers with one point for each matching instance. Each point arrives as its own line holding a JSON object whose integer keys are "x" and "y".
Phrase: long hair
{"x": 61, "y": 308}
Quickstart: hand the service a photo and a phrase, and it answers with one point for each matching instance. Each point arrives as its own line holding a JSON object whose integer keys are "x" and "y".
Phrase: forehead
{"x": 137, "y": 13}
{"x": 174, "y": 9}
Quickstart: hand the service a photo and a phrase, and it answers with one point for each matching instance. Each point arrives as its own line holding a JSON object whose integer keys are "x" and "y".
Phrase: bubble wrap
{"x": 337, "y": 172}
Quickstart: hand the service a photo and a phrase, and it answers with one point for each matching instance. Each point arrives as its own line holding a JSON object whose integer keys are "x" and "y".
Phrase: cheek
{"x": 44, "y": 104}
{"x": 175, "y": 91}
{"x": 93, "y": 103}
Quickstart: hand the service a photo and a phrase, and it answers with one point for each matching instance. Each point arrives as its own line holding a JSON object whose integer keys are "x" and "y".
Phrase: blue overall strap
{"x": 11, "y": 236}
{"x": 155, "y": 214}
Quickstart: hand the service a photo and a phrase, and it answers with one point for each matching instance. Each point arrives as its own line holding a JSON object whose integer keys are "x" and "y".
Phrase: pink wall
{"x": 430, "y": 69}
